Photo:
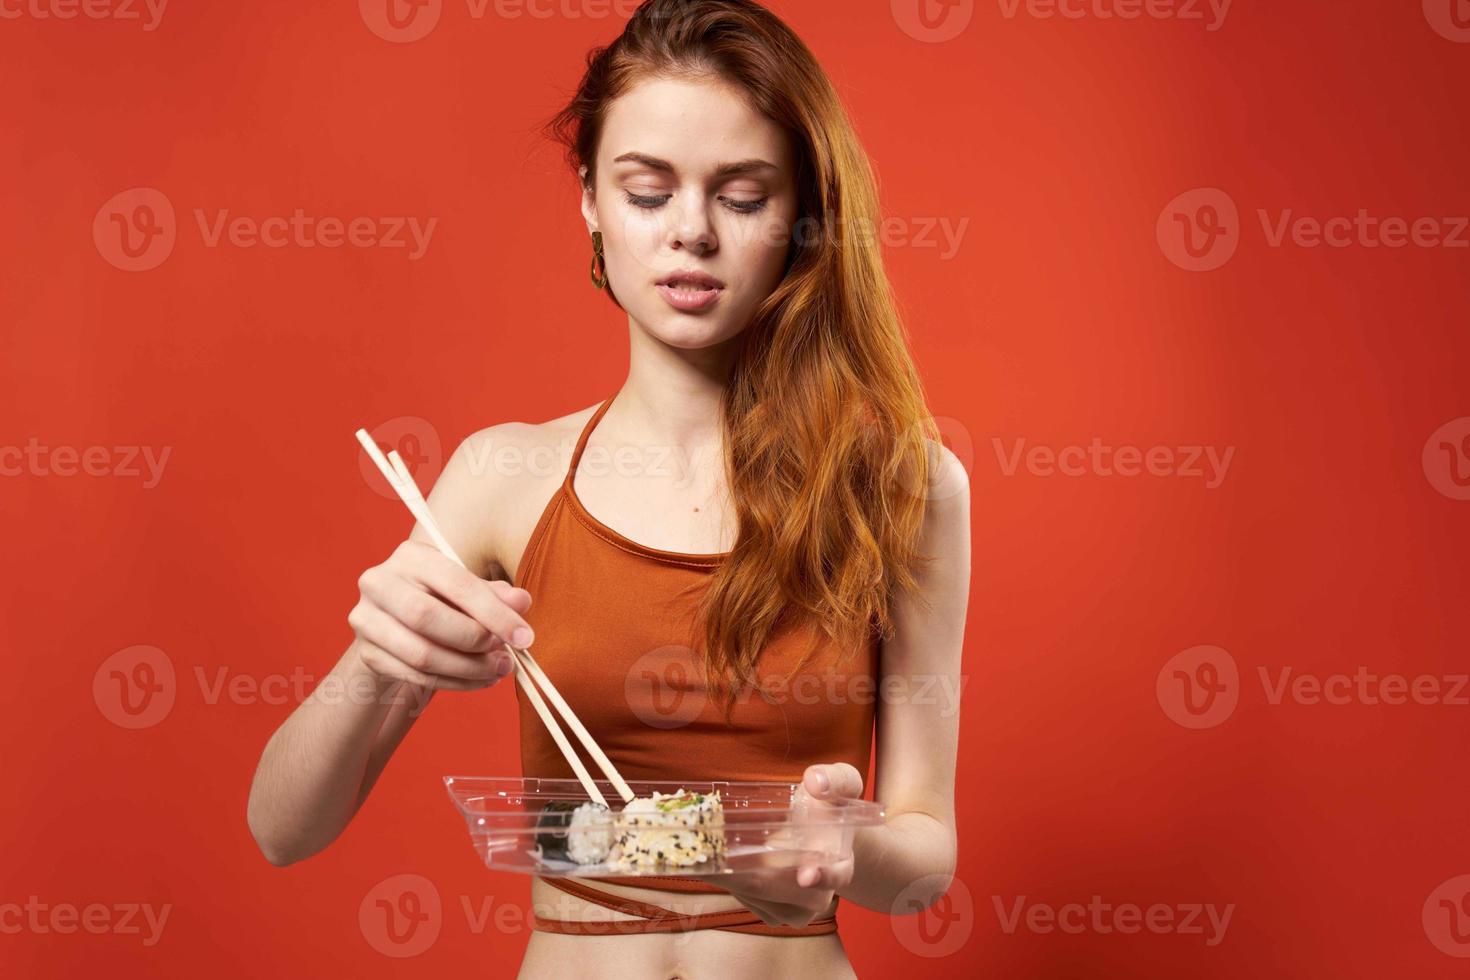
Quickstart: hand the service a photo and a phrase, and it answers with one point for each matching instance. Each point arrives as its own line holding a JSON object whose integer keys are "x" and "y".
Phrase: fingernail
{"x": 504, "y": 667}
{"x": 823, "y": 783}
{"x": 521, "y": 636}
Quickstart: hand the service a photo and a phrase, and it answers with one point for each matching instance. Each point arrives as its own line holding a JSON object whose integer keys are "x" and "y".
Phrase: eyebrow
{"x": 722, "y": 170}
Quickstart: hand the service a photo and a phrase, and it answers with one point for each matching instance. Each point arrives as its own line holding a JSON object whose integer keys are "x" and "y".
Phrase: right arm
{"x": 422, "y": 624}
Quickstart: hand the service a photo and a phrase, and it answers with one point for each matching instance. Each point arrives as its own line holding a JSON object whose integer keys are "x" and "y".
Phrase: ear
{"x": 589, "y": 201}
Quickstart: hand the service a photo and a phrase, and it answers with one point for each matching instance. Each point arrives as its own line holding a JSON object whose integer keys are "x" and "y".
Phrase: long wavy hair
{"x": 828, "y": 442}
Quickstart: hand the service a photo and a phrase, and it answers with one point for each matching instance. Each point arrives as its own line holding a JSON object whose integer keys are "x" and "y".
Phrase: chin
{"x": 689, "y": 333}
{"x": 686, "y": 331}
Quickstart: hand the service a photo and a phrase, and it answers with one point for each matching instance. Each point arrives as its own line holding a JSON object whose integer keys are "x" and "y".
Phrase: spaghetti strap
{"x": 582, "y": 440}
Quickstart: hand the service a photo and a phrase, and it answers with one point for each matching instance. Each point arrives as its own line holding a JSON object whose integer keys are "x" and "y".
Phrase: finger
{"x": 783, "y": 913}
{"x": 386, "y": 664}
{"x": 826, "y": 877}
{"x": 835, "y": 781}
{"x": 423, "y": 654}
{"x": 517, "y": 598}
{"x": 428, "y": 615}
{"x": 785, "y": 886}
{"x": 469, "y": 592}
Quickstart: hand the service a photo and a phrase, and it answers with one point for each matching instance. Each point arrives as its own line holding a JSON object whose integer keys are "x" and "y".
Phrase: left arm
{"x": 913, "y": 855}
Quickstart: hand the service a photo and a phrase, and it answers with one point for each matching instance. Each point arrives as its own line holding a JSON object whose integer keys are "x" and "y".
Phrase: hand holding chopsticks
{"x": 527, "y": 670}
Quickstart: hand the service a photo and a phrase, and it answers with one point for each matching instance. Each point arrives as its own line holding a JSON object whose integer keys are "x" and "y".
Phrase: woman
{"x": 810, "y": 529}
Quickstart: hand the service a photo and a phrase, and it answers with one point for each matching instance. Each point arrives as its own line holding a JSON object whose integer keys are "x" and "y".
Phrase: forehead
{"x": 695, "y": 124}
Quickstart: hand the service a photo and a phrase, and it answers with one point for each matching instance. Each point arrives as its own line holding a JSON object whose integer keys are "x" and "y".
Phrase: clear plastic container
{"x": 765, "y": 826}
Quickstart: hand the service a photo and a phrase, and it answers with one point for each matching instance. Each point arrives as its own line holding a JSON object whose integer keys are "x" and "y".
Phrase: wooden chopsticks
{"x": 526, "y": 668}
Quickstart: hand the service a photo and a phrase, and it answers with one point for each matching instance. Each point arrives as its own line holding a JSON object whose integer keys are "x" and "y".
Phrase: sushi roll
{"x": 673, "y": 830}
{"x": 580, "y": 832}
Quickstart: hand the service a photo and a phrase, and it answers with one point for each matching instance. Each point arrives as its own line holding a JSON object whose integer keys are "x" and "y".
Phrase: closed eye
{"x": 651, "y": 201}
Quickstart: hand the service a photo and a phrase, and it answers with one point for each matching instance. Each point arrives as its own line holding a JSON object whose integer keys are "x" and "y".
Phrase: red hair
{"x": 829, "y": 444}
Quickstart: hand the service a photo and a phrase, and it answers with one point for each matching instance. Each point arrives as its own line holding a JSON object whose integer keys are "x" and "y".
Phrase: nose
{"x": 691, "y": 228}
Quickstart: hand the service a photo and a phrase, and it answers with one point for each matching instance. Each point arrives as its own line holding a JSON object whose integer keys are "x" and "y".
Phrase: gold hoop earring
{"x": 599, "y": 261}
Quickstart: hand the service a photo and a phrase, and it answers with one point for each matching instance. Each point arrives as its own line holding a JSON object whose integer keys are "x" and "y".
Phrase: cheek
{"x": 637, "y": 234}
{"x": 632, "y": 239}
{"x": 764, "y": 249}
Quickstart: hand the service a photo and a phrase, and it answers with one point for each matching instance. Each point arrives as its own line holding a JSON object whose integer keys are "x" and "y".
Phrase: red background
{"x": 1061, "y": 319}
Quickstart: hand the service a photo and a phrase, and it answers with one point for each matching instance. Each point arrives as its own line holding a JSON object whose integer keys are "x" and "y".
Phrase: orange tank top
{"x": 616, "y": 632}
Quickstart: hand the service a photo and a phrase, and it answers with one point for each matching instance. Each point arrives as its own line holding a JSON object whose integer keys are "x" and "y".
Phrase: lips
{"x": 691, "y": 279}
{"x": 690, "y": 291}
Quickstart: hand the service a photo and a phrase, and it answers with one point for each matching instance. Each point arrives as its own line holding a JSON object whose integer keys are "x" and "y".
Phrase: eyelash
{"x": 649, "y": 202}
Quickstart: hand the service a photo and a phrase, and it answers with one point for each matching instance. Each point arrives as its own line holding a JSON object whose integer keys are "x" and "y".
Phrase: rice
{"x": 678, "y": 830}
{"x": 577, "y": 832}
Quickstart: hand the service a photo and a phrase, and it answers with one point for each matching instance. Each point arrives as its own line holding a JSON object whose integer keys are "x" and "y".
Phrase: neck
{"x": 672, "y": 395}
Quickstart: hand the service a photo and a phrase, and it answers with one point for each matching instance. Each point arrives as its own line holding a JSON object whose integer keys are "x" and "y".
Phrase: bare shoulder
{"x": 499, "y": 480}
{"x": 949, "y": 482}
{"x": 945, "y": 536}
